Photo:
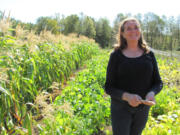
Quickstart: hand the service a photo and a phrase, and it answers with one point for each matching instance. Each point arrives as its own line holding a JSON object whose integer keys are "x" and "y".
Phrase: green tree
{"x": 47, "y": 23}
{"x": 103, "y": 32}
{"x": 88, "y": 27}
{"x": 154, "y": 28}
{"x": 69, "y": 24}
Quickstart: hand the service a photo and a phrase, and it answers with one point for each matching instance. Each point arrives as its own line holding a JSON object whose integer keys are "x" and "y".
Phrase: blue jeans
{"x": 127, "y": 120}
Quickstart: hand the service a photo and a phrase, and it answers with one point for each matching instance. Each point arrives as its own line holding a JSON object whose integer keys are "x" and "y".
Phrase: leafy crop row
{"x": 28, "y": 70}
{"x": 84, "y": 108}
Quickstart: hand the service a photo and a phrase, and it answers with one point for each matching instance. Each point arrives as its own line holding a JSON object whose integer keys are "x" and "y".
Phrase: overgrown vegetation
{"x": 83, "y": 108}
{"x": 29, "y": 68}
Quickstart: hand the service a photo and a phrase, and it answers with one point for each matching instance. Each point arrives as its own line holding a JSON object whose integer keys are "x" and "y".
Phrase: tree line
{"x": 160, "y": 32}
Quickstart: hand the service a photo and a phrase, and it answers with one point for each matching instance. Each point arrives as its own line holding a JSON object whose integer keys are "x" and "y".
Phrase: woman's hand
{"x": 150, "y": 100}
{"x": 133, "y": 99}
{"x": 150, "y": 96}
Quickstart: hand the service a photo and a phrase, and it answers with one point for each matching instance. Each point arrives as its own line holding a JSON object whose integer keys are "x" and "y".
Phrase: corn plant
{"x": 26, "y": 72}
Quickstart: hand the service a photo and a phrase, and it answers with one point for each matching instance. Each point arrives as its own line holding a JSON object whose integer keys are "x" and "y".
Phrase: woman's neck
{"x": 132, "y": 46}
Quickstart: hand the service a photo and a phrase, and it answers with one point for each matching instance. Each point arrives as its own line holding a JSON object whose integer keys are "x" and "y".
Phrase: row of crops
{"x": 165, "y": 115}
{"x": 84, "y": 109}
{"x": 26, "y": 71}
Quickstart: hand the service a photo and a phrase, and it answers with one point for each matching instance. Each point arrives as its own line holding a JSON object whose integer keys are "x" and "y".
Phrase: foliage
{"x": 47, "y": 23}
{"x": 103, "y": 33}
{"x": 84, "y": 108}
{"x": 88, "y": 110}
{"x": 69, "y": 24}
{"x": 25, "y": 72}
{"x": 88, "y": 27}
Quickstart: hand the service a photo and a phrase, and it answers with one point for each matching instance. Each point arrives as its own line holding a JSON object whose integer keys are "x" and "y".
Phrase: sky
{"x": 30, "y": 10}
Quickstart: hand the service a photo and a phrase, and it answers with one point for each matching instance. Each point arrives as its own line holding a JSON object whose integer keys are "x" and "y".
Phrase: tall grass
{"x": 27, "y": 70}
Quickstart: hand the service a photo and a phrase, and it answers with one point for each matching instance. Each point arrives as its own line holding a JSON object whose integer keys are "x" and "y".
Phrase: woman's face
{"x": 131, "y": 31}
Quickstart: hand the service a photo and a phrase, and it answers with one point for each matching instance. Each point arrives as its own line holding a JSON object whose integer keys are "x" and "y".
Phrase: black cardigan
{"x": 138, "y": 75}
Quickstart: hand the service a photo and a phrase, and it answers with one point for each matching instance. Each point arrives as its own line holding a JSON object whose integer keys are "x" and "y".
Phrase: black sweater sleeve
{"x": 110, "y": 78}
{"x": 157, "y": 83}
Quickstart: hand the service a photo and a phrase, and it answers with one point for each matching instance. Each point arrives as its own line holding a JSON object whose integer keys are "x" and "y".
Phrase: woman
{"x": 132, "y": 80}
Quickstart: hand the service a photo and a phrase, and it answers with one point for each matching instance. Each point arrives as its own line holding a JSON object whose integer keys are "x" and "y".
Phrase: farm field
{"x": 83, "y": 107}
{"x": 30, "y": 73}
{"x": 28, "y": 69}
{"x": 53, "y": 71}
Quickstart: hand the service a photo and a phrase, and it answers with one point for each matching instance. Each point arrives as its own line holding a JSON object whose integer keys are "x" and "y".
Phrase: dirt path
{"x": 44, "y": 101}
{"x": 165, "y": 53}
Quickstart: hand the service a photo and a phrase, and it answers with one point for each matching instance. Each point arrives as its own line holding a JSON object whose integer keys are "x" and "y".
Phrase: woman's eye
{"x": 130, "y": 29}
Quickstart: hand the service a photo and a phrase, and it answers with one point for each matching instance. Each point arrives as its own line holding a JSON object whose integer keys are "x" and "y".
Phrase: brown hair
{"x": 122, "y": 43}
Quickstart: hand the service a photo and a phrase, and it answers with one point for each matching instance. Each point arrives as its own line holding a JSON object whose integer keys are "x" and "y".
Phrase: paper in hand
{"x": 148, "y": 102}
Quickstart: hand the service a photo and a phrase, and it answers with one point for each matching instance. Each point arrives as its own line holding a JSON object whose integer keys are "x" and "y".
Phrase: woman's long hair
{"x": 122, "y": 43}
